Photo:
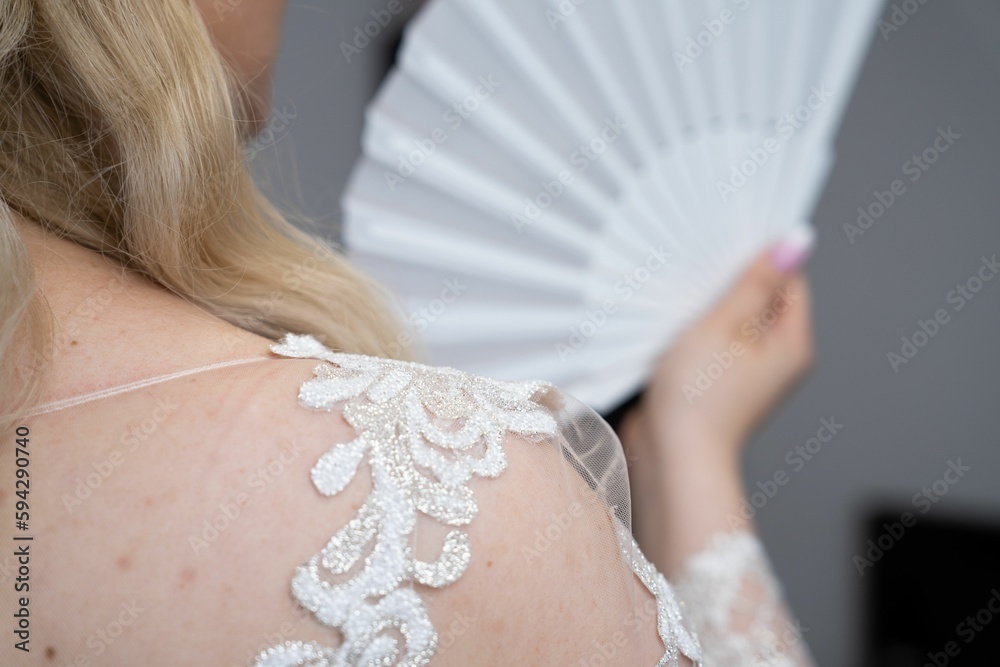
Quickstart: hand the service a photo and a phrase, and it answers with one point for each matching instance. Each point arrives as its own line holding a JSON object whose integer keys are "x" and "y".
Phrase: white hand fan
{"x": 558, "y": 188}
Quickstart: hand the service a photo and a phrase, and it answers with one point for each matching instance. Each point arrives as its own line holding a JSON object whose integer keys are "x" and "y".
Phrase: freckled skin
{"x": 240, "y": 578}
{"x": 188, "y": 575}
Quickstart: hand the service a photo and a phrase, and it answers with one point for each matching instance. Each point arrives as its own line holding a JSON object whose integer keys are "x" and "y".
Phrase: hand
{"x": 726, "y": 373}
{"x": 706, "y": 395}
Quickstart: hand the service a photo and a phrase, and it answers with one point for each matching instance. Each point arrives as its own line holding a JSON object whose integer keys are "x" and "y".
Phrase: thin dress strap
{"x": 138, "y": 384}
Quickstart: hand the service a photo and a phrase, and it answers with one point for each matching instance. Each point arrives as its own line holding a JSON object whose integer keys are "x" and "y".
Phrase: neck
{"x": 112, "y": 326}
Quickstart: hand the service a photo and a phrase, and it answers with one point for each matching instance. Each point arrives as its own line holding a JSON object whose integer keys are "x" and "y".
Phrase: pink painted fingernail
{"x": 793, "y": 250}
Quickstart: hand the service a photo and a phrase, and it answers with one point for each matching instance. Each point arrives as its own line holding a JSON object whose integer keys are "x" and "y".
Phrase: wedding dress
{"x": 428, "y": 437}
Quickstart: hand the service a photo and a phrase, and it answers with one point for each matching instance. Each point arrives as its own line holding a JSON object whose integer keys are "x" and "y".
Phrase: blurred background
{"x": 915, "y": 467}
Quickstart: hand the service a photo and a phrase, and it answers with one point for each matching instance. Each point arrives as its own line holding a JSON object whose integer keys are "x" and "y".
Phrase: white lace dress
{"x": 435, "y": 444}
{"x": 425, "y": 432}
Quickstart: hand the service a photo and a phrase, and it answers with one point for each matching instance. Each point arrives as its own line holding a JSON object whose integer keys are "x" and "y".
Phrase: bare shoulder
{"x": 176, "y": 517}
{"x": 547, "y": 583}
{"x": 172, "y": 517}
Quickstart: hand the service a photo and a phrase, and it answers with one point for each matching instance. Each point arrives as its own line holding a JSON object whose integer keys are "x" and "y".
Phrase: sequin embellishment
{"x": 424, "y": 432}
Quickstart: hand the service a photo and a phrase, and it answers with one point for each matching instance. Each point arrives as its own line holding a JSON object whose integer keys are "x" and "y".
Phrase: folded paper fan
{"x": 556, "y": 189}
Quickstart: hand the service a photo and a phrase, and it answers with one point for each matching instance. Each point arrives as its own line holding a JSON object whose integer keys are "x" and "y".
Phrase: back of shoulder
{"x": 498, "y": 550}
{"x": 163, "y": 510}
{"x": 328, "y": 509}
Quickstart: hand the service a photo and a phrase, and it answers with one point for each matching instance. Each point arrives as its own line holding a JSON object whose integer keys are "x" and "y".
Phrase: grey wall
{"x": 940, "y": 70}
{"x": 306, "y": 160}
{"x": 900, "y": 428}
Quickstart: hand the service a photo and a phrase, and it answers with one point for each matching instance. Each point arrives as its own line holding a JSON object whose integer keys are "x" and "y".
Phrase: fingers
{"x": 793, "y": 331}
{"x": 767, "y": 279}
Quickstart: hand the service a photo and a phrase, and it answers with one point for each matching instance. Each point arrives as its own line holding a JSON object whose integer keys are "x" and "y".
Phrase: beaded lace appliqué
{"x": 735, "y": 603}
{"x": 425, "y": 432}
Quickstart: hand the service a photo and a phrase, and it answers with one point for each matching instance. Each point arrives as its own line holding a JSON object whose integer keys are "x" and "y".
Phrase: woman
{"x": 159, "y": 440}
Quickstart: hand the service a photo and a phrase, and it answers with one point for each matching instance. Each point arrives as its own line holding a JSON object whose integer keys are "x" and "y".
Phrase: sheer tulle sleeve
{"x": 731, "y": 599}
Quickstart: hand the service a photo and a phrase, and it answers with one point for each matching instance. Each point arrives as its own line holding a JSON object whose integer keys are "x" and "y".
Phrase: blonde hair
{"x": 118, "y": 132}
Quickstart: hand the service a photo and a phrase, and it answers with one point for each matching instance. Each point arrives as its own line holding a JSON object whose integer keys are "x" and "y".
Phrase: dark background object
{"x": 929, "y": 595}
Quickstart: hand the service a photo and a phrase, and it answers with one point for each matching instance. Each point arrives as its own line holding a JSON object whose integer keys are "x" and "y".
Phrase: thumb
{"x": 756, "y": 288}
